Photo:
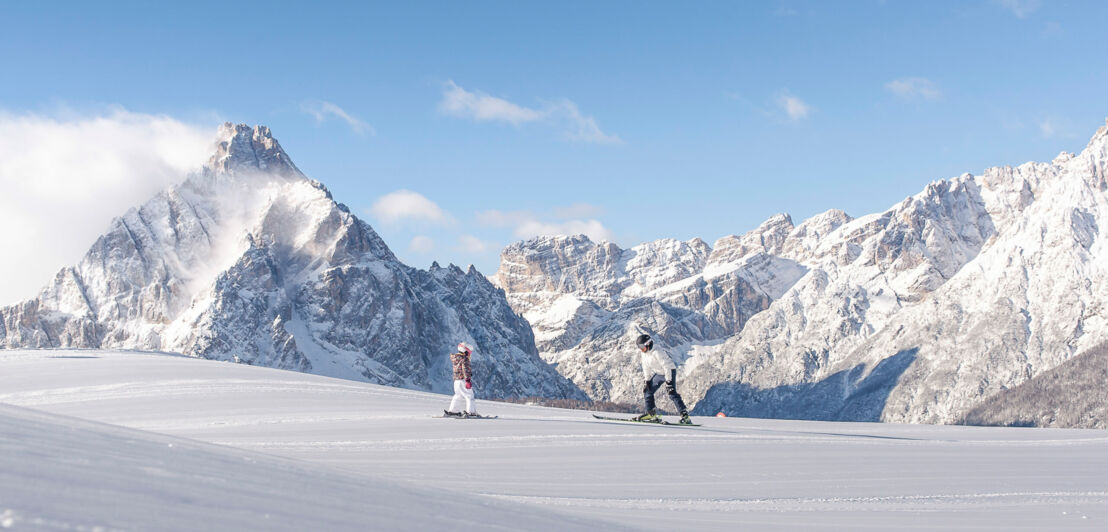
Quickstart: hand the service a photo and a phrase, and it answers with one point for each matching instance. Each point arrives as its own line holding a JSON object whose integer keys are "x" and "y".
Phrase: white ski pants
{"x": 460, "y": 392}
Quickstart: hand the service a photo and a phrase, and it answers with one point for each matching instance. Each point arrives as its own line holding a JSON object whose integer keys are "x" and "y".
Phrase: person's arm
{"x": 468, "y": 372}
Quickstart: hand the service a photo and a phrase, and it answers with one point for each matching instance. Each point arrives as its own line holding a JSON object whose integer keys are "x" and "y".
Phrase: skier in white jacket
{"x": 658, "y": 368}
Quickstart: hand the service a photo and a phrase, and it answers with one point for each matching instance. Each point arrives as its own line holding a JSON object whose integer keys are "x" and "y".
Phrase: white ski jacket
{"x": 656, "y": 362}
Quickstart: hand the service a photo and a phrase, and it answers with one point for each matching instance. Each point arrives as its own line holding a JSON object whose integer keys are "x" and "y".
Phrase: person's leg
{"x": 671, "y": 389}
{"x": 648, "y": 390}
{"x": 459, "y": 388}
{"x": 677, "y": 402}
{"x": 471, "y": 403}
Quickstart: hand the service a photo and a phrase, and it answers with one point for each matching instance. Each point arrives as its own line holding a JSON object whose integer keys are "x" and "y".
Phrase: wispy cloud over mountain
{"x": 324, "y": 111}
{"x": 572, "y": 220}
{"x": 912, "y": 88}
{"x": 561, "y": 114}
{"x": 405, "y": 205}
{"x": 65, "y": 177}
{"x": 1020, "y": 8}
{"x": 795, "y": 108}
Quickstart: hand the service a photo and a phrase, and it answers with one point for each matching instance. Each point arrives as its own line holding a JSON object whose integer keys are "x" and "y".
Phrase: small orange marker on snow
{"x": 721, "y": 414}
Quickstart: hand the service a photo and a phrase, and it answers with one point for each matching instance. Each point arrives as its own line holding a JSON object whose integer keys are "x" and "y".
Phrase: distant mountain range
{"x": 933, "y": 311}
{"x": 981, "y": 299}
{"x": 250, "y": 261}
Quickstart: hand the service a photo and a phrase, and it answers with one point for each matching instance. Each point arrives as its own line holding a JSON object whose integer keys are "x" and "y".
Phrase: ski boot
{"x": 447, "y": 413}
{"x": 470, "y": 414}
{"x": 650, "y": 416}
{"x": 685, "y": 418}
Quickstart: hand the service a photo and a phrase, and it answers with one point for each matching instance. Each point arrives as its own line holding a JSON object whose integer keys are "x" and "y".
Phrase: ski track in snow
{"x": 559, "y": 468}
{"x": 811, "y": 504}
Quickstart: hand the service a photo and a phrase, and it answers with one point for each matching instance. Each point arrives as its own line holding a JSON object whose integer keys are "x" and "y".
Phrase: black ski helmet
{"x": 644, "y": 341}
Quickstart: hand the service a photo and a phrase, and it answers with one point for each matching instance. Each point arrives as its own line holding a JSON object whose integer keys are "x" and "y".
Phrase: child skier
{"x": 658, "y": 368}
{"x": 463, "y": 387}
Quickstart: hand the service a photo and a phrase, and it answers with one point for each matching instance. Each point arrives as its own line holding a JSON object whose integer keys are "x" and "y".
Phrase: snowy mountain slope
{"x": 363, "y": 446}
{"x": 919, "y": 313}
{"x": 251, "y": 261}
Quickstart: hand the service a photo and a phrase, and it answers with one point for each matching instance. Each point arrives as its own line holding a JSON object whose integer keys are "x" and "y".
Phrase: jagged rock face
{"x": 586, "y": 300}
{"x": 251, "y": 261}
{"x": 916, "y": 314}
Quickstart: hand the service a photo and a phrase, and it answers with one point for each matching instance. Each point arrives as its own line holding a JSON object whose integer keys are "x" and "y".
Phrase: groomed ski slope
{"x": 126, "y": 440}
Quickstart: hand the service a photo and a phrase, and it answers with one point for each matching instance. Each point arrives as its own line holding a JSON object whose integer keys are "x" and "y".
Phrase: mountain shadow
{"x": 1072, "y": 395}
{"x": 849, "y": 395}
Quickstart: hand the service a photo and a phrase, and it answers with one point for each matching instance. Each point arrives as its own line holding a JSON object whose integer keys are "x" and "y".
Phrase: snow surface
{"x": 131, "y": 440}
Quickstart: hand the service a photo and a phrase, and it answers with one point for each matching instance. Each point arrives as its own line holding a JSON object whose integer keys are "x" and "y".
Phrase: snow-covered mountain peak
{"x": 244, "y": 149}
{"x": 779, "y": 219}
{"x": 768, "y": 237}
{"x": 561, "y": 241}
{"x": 251, "y": 261}
{"x": 1101, "y": 135}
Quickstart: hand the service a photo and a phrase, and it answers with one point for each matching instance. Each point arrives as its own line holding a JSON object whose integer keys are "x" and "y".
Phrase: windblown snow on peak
{"x": 240, "y": 147}
{"x": 251, "y": 261}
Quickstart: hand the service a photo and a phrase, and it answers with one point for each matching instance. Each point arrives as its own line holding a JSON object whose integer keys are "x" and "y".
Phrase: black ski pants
{"x": 655, "y": 382}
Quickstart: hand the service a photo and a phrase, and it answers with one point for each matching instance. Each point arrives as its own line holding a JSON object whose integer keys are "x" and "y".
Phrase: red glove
{"x": 468, "y": 384}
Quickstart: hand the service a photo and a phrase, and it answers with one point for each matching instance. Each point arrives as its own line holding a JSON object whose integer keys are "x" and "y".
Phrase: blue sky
{"x": 632, "y": 120}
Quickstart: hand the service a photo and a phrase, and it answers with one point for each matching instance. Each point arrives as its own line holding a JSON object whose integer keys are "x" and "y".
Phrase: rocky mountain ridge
{"x": 916, "y": 314}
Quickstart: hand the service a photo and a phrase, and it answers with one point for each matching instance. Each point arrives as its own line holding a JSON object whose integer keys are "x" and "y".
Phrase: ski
{"x": 452, "y": 416}
{"x": 657, "y": 422}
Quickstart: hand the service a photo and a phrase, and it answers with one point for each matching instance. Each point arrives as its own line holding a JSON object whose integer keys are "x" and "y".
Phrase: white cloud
{"x": 1057, "y": 126}
{"x": 322, "y": 111}
{"x": 528, "y": 224}
{"x": 481, "y": 107}
{"x": 62, "y": 180}
{"x": 578, "y": 210}
{"x": 590, "y": 228}
{"x": 495, "y": 218}
{"x": 1047, "y": 128}
{"x": 578, "y": 126}
{"x": 1020, "y": 8}
{"x": 912, "y": 88}
{"x": 563, "y": 114}
{"x": 407, "y": 205}
{"x": 422, "y": 244}
{"x": 796, "y": 108}
{"x": 474, "y": 245}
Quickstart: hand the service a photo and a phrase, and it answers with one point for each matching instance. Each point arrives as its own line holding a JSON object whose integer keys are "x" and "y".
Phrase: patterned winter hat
{"x": 465, "y": 348}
